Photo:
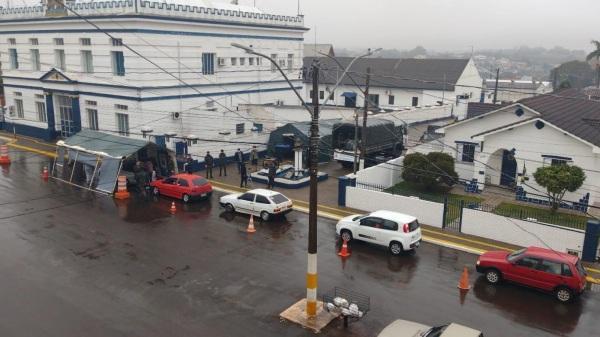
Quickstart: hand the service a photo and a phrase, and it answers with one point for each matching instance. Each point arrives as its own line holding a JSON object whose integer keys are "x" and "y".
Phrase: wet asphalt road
{"x": 79, "y": 264}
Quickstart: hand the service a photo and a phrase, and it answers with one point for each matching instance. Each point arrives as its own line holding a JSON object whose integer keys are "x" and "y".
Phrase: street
{"x": 75, "y": 263}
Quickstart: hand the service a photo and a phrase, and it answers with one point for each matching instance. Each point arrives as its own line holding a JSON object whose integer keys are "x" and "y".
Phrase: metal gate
{"x": 453, "y": 212}
{"x": 65, "y": 109}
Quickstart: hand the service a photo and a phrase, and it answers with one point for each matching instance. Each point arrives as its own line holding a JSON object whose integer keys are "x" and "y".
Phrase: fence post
{"x": 590, "y": 241}
{"x": 460, "y": 218}
{"x": 445, "y": 212}
{"x": 343, "y": 182}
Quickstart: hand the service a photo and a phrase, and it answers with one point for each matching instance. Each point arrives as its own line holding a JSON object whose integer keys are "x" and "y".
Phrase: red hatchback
{"x": 545, "y": 269}
{"x": 182, "y": 186}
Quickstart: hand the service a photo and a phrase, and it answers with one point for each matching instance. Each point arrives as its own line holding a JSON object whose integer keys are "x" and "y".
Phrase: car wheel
{"x": 186, "y": 198}
{"x": 396, "y": 248}
{"x": 563, "y": 294}
{"x": 155, "y": 191}
{"x": 346, "y": 235}
{"x": 493, "y": 276}
{"x": 229, "y": 208}
{"x": 265, "y": 216}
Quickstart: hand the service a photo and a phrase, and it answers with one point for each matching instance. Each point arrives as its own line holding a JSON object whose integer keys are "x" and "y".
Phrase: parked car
{"x": 402, "y": 328}
{"x": 182, "y": 186}
{"x": 540, "y": 268}
{"x": 260, "y": 202}
{"x": 399, "y": 232}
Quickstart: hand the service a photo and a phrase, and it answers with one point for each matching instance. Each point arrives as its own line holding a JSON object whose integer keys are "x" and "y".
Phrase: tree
{"x": 595, "y": 55}
{"x": 558, "y": 179}
{"x": 429, "y": 170}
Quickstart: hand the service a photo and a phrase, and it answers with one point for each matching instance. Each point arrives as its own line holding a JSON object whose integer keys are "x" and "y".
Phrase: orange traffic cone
{"x": 173, "y": 208}
{"x": 464, "y": 280}
{"x": 251, "y": 228}
{"x": 4, "y": 158}
{"x": 344, "y": 251}
{"x": 45, "y": 174}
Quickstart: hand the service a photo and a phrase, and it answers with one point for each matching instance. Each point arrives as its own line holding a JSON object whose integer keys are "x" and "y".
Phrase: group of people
{"x": 144, "y": 173}
{"x": 209, "y": 162}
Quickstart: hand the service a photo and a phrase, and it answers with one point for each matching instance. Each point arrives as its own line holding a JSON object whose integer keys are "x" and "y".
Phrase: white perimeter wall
{"x": 427, "y": 212}
{"x": 519, "y": 232}
{"x": 386, "y": 174}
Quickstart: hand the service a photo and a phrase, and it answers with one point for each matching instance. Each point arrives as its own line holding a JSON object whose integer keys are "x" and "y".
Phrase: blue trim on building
{"x": 155, "y": 17}
{"x": 549, "y": 156}
{"x": 148, "y": 99}
{"x": 50, "y": 115}
{"x": 148, "y": 31}
{"x": 30, "y": 131}
{"x": 461, "y": 142}
{"x": 76, "y": 114}
{"x": 155, "y": 87}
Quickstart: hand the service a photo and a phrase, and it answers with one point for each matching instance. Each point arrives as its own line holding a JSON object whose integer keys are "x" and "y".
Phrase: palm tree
{"x": 596, "y": 55}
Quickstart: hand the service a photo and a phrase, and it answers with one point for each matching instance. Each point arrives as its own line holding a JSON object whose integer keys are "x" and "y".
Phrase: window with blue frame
{"x": 118, "y": 63}
{"x": 14, "y": 58}
{"x": 258, "y": 127}
{"x": 208, "y": 63}
{"x": 468, "y": 152}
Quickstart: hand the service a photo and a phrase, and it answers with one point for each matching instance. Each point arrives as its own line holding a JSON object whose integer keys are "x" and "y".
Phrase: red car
{"x": 182, "y": 186}
{"x": 545, "y": 269}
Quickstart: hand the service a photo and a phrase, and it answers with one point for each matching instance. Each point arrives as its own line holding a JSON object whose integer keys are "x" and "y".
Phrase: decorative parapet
{"x": 119, "y": 7}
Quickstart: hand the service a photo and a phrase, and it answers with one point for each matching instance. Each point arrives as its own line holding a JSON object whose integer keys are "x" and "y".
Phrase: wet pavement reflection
{"x": 77, "y": 263}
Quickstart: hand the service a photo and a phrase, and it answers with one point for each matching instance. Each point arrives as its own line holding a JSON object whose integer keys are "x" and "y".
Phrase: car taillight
{"x": 405, "y": 228}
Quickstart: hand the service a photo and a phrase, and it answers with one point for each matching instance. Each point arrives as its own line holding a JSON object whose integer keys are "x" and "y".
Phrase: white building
{"x": 511, "y": 91}
{"x": 398, "y": 83}
{"x": 505, "y": 146}
{"x": 166, "y": 69}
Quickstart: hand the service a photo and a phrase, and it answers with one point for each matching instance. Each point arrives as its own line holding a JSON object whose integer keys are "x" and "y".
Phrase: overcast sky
{"x": 454, "y": 25}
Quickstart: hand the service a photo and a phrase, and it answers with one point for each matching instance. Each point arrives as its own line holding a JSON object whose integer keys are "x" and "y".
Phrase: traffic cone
{"x": 4, "y": 158}
{"x": 173, "y": 208}
{"x": 464, "y": 280}
{"x": 344, "y": 251}
{"x": 251, "y": 228}
{"x": 45, "y": 174}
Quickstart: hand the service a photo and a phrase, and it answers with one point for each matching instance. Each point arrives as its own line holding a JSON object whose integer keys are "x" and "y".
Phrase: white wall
{"x": 427, "y": 212}
{"x": 519, "y": 232}
{"x": 385, "y": 174}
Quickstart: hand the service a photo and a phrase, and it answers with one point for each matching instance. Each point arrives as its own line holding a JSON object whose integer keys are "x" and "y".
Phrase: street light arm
{"x": 252, "y": 51}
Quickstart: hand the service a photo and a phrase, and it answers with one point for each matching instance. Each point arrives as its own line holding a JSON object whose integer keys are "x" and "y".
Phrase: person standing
{"x": 271, "y": 175}
{"x": 209, "y": 162}
{"x": 254, "y": 157}
{"x": 222, "y": 163}
{"x": 239, "y": 158}
{"x": 189, "y": 164}
{"x": 244, "y": 176}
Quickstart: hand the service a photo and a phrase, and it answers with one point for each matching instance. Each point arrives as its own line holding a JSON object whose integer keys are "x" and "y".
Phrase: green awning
{"x": 103, "y": 143}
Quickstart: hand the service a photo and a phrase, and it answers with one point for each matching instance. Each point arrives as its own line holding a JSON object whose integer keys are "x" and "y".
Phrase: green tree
{"x": 595, "y": 55}
{"x": 558, "y": 179}
{"x": 429, "y": 170}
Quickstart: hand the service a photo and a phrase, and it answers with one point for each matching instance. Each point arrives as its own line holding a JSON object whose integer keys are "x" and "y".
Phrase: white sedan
{"x": 259, "y": 202}
{"x": 397, "y": 231}
{"x": 402, "y": 328}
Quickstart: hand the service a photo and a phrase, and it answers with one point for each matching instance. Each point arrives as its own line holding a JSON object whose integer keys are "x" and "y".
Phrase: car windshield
{"x": 278, "y": 198}
{"x": 200, "y": 182}
{"x": 580, "y": 268}
{"x": 436, "y": 331}
{"x": 515, "y": 255}
{"x": 356, "y": 218}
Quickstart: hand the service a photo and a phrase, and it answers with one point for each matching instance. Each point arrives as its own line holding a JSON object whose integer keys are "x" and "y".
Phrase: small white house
{"x": 513, "y": 90}
{"x": 396, "y": 83}
{"x": 505, "y": 146}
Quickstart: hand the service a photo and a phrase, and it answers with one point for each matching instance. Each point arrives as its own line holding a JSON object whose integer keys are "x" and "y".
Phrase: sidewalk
{"x": 327, "y": 202}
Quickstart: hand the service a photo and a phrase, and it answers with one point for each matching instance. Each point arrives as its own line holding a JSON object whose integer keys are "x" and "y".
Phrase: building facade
{"x": 145, "y": 69}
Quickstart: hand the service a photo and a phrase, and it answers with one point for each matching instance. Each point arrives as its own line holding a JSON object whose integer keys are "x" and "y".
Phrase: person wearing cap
{"x": 239, "y": 158}
{"x": 208, "y": 161}
{"x": 222, "y": 163}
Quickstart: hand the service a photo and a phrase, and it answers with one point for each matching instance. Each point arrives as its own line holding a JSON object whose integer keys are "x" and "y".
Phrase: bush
{"x": 430, "y": 170}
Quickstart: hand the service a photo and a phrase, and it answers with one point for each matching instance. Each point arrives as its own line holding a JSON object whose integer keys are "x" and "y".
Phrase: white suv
{"x": 260, "y": 202}
{"x": 397, "y": 231}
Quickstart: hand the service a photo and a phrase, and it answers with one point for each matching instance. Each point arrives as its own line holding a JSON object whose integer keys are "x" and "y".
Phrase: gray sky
{"x": 454, "y": 25}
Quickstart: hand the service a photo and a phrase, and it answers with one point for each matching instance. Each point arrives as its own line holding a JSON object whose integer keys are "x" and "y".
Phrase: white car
{"x": 259, "y": 202}
{"x": 402, "y": 328}
{"x": 399, "y": 232}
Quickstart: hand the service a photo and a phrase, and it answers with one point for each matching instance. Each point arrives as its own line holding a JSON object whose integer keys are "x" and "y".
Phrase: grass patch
{"x": 409, "y": 189}
{"x": 543, "y": 215}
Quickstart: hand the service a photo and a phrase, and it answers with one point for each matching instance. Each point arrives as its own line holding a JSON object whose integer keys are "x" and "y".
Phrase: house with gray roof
{"x": 513, "y": 90}
{"x": 506, "y": 145}
{"x": 396, "y": 83}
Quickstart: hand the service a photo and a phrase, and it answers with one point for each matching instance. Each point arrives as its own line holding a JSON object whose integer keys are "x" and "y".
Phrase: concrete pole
{"x": 311, "y": 273}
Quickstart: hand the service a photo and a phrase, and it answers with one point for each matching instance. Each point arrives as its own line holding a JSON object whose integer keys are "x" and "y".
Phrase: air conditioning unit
{"x": 221, "y": 61}
{"x": 11, "y": 110}
{"x": 175, "y": 115}
{"x": 388, "y": 92}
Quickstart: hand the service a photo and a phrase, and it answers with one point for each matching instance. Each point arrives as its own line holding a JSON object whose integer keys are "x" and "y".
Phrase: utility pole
{"x": 355, "y": 141}
{"x": 496, "y": 87}
{"x": 363, "y": 146}
{"x": 311, "y": 273}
